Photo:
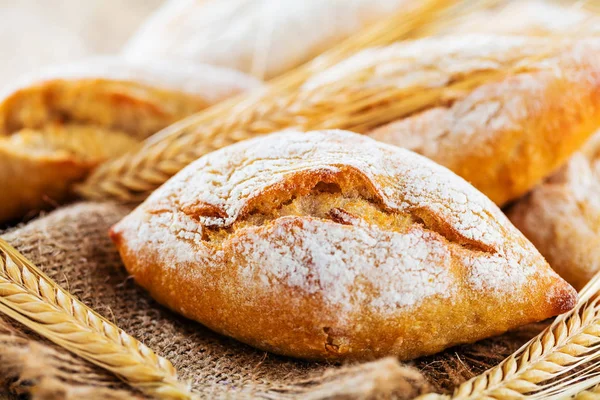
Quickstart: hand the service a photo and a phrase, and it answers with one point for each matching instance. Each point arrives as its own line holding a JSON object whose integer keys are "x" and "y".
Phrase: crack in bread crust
{"x": 354, "y": 206}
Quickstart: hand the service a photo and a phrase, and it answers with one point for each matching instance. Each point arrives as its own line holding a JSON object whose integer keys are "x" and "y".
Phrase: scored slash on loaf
{"x": 59, "y": 125}
{"x": 328, "y": 245}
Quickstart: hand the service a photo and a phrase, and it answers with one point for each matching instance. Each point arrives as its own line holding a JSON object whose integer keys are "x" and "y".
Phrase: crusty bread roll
{"x": 562, "y": 217}
{"x": 58, "y": 125}
{"x": 261, "y": 37}
{"x": 501, "y": 111}
{"x": 330, "y": 245}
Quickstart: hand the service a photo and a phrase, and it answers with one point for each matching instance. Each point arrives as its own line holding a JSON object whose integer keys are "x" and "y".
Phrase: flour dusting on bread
{"x": 368, "y": 266}
{"x": 332, "y": 245}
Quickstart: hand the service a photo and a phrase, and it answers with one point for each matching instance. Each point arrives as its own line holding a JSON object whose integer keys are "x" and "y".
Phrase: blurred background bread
{"x": 36, "y": 33}
{"x": 58, "y": 125}
{"x": 262, "y": 37}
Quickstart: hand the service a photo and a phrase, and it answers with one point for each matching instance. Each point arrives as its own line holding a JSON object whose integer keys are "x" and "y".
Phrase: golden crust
{"x": 562, "y": 218}
{"x": 329, "y": 245}
{"x": 562, "y": 215}
{"x": 524, "y": 107}
{"x": 56, "y": 127}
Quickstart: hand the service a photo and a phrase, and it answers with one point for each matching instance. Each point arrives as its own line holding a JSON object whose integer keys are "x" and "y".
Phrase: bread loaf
{"x": 261, "y": 37}
{"x": 562, "y": 217}
{"x": 58, "y": 125}
{"x": 503, "y": 112}
{"x": 330, "y": 245}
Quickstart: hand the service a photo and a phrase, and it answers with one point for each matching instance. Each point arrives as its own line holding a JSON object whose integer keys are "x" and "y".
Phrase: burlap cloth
{"x": 71, "y": 245}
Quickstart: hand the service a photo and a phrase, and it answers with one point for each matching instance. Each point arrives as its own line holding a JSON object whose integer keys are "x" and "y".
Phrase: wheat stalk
{"x": 133, "y": 176}
{"x": 30, "y": 297}
{"x": 560, "y": 362}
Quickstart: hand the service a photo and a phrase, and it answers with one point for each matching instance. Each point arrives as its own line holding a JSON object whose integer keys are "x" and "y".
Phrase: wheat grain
{"x": 28, "y": 296}
{"x": 133, "y": 176}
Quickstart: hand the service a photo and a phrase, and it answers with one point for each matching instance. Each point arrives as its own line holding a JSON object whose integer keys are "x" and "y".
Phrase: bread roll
{"x": 330, "y": 245}
{"x": 562, "y": 217}
{"x": 503, "y": 112}
{"x": 57, "y": 126}
{"x": 261, "y": 37}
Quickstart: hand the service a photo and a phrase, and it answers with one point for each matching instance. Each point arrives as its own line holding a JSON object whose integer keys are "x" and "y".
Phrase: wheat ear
{"x": 132, "y": 177}
{"x": 30, "y": 297}
{"x": 560, "y": 362}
